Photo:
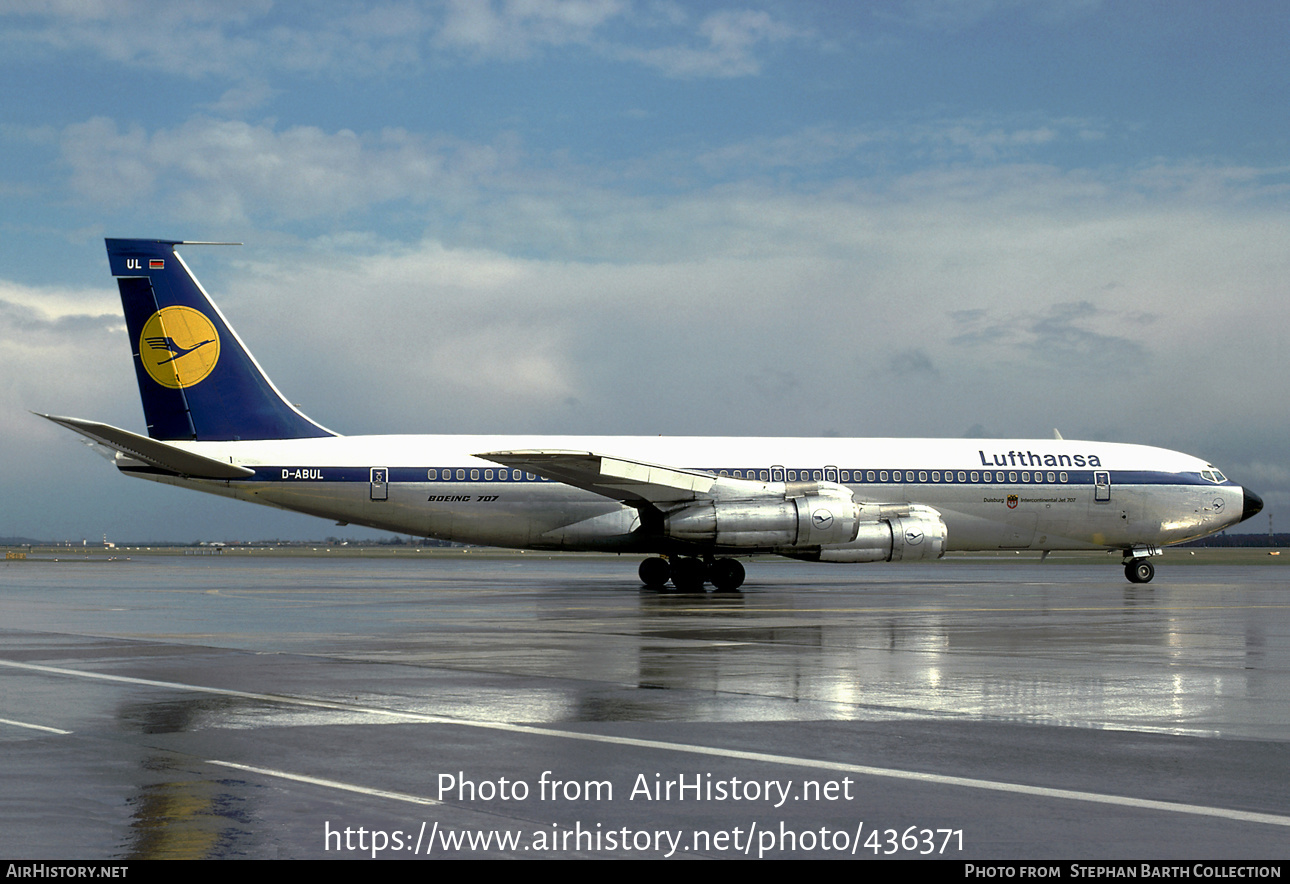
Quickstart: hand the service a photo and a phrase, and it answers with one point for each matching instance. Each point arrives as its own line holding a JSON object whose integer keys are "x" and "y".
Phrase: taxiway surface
{"x": 237, "y": 707}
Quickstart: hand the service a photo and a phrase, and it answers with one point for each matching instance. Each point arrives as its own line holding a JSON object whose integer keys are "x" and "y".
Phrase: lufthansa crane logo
{"x": 823, "y": 519}
{"x": 178, "y": 347}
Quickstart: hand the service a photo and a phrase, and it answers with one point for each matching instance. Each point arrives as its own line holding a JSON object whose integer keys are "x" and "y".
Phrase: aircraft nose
{"x": 1253, "y": 505}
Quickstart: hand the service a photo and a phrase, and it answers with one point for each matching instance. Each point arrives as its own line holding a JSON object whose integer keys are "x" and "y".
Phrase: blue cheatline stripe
{"x": 474, "y": 475}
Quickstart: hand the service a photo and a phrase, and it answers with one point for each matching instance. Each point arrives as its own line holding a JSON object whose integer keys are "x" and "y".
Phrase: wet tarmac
{"x": 234, "y": 707}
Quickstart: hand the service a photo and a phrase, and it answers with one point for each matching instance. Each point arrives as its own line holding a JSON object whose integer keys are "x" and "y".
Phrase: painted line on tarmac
{"x": 693, "y": 749}
{"x": 35, "y": 727}
{"x": 330, "y": 784}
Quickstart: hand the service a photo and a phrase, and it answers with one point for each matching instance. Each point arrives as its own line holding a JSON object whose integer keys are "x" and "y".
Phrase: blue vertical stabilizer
{"x": 196, "y": 378}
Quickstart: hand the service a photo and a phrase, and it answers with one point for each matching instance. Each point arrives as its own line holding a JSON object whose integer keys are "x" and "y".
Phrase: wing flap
{"x": 150, "y": 451}
{"x": 626, "y": 480}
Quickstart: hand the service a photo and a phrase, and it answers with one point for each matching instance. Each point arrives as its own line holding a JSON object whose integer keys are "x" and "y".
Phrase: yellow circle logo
{"x": 178, "y": 347}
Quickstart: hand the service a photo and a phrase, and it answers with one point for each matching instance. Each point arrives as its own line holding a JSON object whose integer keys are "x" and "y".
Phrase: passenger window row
{"x": 780, "y": 474}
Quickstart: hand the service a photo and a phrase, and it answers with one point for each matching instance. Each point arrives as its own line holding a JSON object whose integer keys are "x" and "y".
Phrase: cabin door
{"x": 1102, "y": 486}
{"x": 380, "y": 487}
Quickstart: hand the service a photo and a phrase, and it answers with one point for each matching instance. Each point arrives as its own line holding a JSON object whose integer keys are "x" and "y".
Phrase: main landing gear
{"x": 1139, "y": 570}
{"x": 688, "y": 574}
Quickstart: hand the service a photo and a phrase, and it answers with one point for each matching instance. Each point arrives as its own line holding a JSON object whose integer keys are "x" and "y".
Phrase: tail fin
{"x": 196, "y": 378}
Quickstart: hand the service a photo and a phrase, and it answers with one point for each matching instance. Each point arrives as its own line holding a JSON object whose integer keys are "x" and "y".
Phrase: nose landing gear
{"x": 1139, "y": 570}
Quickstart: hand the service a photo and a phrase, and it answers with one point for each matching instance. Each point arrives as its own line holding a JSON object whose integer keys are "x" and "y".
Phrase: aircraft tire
{"x": 655, "y": 572}
{"x": 727, "y": 575}
{"x": 1139, "y": 571}
{"x": 689, "y": 575}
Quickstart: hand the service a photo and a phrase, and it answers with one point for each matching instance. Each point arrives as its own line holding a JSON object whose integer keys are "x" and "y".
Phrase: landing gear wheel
{"x": 727, "y": 575}
{"x": 654, "y": 572}
{"x": 689, "y": 575}
{"x": 1139, "y": 571}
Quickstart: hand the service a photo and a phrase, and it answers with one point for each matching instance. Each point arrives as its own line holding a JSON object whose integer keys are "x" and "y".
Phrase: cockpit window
{"x": 1213, "y": 475}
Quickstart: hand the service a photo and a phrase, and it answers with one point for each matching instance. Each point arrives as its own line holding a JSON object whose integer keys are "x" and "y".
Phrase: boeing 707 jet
{"x": 693, "y": 505}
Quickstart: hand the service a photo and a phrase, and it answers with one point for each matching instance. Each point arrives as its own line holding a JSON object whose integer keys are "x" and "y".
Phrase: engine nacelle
{"x": 911, "y": 533}
{"x": 806, "y": 515}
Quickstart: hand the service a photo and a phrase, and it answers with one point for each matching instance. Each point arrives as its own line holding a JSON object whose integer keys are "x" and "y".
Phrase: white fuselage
{"x": 992, "y": 494}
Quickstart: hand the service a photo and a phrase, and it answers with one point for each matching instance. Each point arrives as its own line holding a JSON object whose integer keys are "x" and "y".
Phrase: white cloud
{"x": 44, "y": 305}
{"x": 515, "y": 28}
{"x": 882, "y": 150}
{"x": 235, "y": 39}
{"x": 61, "y": 351}
{"x": 226, "y": 171}
{"x": 729, "y": 43}
{"x": 252, "y": 38}
{"x": 241, "y": 98}
{"x": 193, "y": 39}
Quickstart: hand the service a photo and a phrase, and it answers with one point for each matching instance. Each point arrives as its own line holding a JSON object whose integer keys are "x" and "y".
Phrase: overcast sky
{"x": 903, "y": 218}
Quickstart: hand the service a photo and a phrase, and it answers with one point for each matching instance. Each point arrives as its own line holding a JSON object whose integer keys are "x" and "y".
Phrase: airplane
{"x": 693, "y": 505}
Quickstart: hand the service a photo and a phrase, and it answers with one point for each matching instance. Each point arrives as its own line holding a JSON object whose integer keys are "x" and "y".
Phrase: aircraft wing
{"x": 151, "y": 452}
{"x": 629, "y": 481}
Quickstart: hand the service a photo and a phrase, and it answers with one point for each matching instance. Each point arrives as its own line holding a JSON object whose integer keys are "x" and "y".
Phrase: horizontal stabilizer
{"x": 613, "y": 477}
{"x": 150, "y": 451}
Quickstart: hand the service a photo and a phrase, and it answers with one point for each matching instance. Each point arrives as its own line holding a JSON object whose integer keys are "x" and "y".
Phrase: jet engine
{"x": 909, "y": 533}
{"x": 818, "y": 521}
{"x": 807, "y": 514}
